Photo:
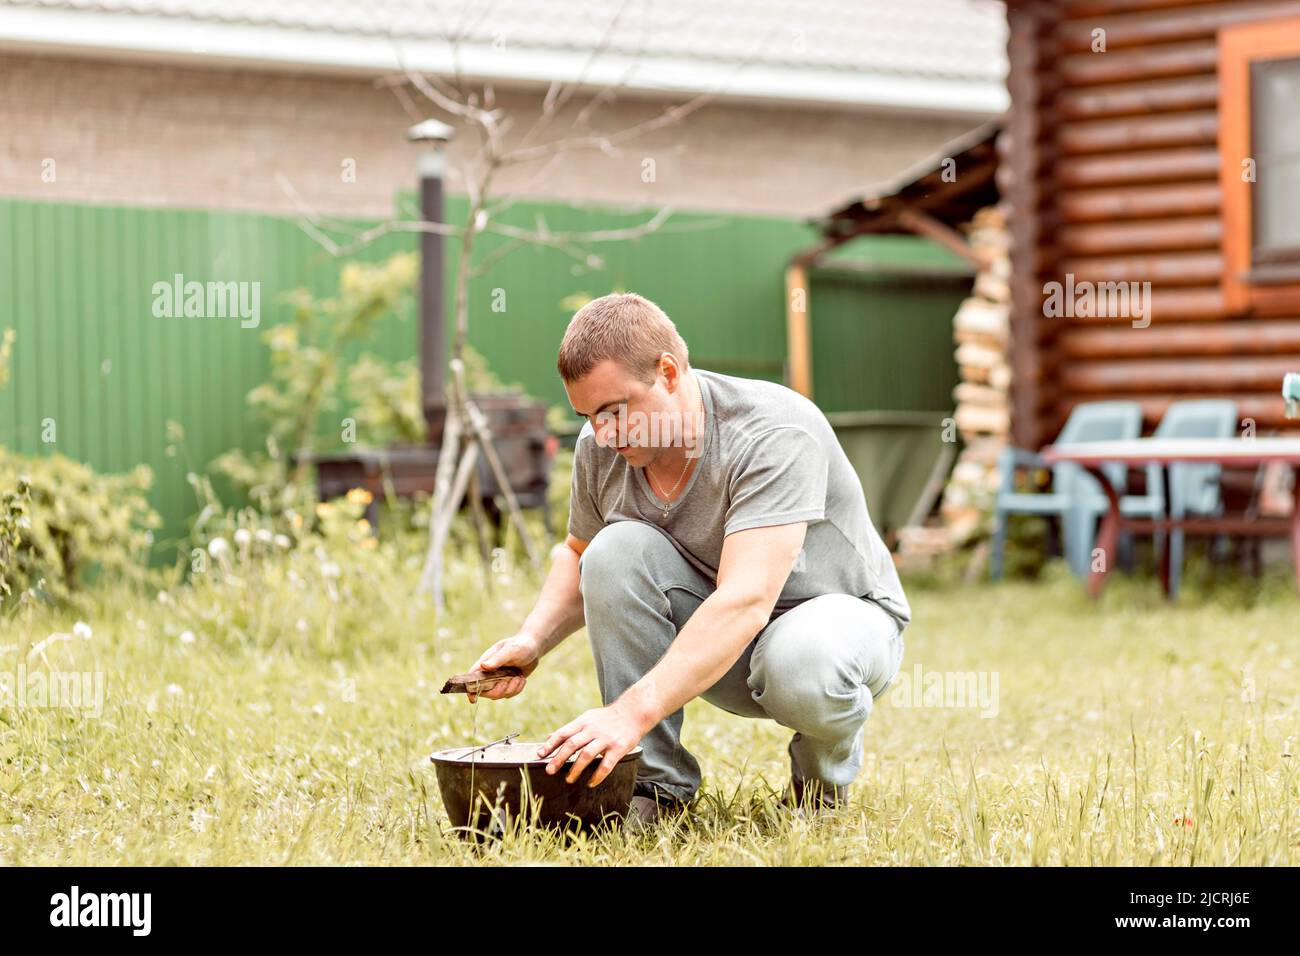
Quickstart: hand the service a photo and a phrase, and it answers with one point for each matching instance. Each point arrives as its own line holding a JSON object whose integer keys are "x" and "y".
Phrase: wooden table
{"x": 1228, "y": 452}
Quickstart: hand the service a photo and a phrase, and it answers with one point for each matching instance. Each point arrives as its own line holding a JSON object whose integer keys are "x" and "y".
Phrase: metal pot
{"x": 500, "y": 780}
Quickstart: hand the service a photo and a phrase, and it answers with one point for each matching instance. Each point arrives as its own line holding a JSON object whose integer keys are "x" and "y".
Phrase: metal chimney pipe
{"x": 432, "y": 136}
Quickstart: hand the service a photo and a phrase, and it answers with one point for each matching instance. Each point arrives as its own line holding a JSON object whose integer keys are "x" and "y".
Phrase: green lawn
{"x": 284, "y": 714}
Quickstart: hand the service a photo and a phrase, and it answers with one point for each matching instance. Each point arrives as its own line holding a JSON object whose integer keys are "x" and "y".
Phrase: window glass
{"x": 1275, "y": 137}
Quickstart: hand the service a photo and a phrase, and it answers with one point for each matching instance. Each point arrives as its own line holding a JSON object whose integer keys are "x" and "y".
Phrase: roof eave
{"x": 179, "y": 41}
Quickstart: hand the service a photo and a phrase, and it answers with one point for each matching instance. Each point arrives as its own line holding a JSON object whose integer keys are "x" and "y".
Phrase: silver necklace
{"x": 668, "y": 506}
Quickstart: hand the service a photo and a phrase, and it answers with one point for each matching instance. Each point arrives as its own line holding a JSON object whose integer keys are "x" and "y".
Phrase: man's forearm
{"x": 703, "y": 651}
{"x": 557, "y": 612}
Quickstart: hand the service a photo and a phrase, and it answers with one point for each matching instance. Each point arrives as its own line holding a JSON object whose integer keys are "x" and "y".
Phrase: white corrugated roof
{"x": 941, "y": 55}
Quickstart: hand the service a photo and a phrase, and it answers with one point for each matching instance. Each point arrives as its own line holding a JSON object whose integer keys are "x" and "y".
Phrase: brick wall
{"x": 157, "y": 135}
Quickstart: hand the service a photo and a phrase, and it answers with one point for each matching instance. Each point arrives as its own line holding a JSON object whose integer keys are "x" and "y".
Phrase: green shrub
{"x": 306, "y": 356}
{"x": 13, "y": 518}
{"x": 61, "y": 522}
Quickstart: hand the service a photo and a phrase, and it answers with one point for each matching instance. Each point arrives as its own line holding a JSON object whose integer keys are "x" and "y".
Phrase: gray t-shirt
{"x": 768, "y": 457}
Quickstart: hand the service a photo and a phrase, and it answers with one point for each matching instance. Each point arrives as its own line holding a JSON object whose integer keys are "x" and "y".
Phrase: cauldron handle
{"x": 504, "y": 740}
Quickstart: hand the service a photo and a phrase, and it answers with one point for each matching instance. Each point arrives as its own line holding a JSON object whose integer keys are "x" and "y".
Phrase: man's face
{"x": 610, "y": 395}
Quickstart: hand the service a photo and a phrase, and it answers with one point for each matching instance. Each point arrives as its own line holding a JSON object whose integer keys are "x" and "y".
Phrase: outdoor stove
{"x": 516, "y": 422}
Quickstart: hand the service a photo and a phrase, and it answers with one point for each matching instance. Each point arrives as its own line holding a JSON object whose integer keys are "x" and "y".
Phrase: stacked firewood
{"x": 981, "y": 332}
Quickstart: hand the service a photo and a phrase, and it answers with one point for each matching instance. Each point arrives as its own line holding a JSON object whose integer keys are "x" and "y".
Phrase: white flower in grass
{"x": 302, "y": 624}
{"x": 218, "y": 547}
{"x": 82, "y": 630}
{"x": 262, "y": 535}
{"x": 174, "y": 690}
{"x": 330, "y": 569}
{"x": 242, "y": 537}
{"x": 319, "y": 710}
{"x": 187, "y": 637}
{"x": 164, "y": 597}
{"x": 282, "y": 541}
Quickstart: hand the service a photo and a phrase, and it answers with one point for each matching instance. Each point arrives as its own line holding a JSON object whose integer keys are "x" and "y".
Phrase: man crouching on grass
{"x": 719, "y": 547}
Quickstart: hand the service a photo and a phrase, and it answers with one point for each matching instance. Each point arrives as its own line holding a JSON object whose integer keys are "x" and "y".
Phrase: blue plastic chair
{"x": 1193, "y": 488}
{"x": 1076, "y": 498}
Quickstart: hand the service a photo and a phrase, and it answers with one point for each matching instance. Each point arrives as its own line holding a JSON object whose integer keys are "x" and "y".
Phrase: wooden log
{"x": 1182, "y": 375}
{"x": 983, "y": 318}
{"x": 1197, "y": 304}
{"x": 1099, "y": 8}
{"x": 1125, "y": 66}
{"x": 1148, "y": 166}
{"x": 1279, "y": 300}
{"x": 1145, "y": 202}
{"x": 1000, "y": 377}
{"x": 1184, "y": 23}
{"x": 994, "y": 243}
{"x": 1194, "y": 128}
{"x": 1150, "y": 235}
{"x": 963, "y": 524}
{"x": 1138, "y": 99}
{"x": 985, "y": 368}
{"x": 982, "y": 339}
{"x": 923, "y": 224}
{"x": 1226, "y": 338}
{"x": 971, "y": 393}
{"x": 1174, "y": 268}
{"x": 967, "y": 472}
{"x": 976, "y": 420}
{"x": 992, "y": 288}
{"x": 982, "y": 356}
{"x": 1022, "y": 157}
{"x": 983, "y": 451}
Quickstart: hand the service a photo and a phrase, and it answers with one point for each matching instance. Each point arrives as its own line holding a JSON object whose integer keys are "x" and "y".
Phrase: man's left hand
{"x": 610, "y": 731}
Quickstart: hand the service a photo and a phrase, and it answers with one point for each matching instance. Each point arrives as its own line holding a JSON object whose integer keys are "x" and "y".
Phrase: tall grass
{"x": 283, "y": 713}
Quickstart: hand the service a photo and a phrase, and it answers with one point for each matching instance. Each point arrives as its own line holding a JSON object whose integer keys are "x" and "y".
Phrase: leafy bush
{"x": 13, "y": 518}
{"x": 386, "y": 401}
{"x": 61, "y": 521}
{"x": 306, "y": 355}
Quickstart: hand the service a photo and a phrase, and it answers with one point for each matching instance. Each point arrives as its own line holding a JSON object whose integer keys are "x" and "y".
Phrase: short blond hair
{"x": 624, "y": 327}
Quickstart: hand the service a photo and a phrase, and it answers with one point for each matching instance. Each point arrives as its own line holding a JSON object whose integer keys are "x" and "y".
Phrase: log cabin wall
{"x": 1112, "y": 166}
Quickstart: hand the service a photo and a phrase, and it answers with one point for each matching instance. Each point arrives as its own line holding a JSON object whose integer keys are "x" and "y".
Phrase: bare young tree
{"x": 544, "y": 143}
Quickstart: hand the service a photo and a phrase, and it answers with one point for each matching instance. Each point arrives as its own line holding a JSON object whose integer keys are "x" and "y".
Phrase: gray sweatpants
{"x": 816, "y": 669}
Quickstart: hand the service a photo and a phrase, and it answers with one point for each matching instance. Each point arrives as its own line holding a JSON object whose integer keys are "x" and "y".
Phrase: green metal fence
{"x": 92, "y": 359}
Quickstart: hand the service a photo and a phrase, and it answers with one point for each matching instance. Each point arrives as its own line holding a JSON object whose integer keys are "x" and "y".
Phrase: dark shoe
{"x": 814, "y": 795}
{"x": 649, "y": 806}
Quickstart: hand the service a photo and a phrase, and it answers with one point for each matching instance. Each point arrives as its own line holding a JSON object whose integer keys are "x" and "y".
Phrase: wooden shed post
{"x": 797, "y": 328}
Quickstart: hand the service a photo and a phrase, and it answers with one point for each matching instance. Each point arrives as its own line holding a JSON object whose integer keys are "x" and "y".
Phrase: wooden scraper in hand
{"x": 479, "y": 681}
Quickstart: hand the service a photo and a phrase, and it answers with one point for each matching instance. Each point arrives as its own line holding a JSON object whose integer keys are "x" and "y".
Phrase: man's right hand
{"x": 520, "y": 651}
